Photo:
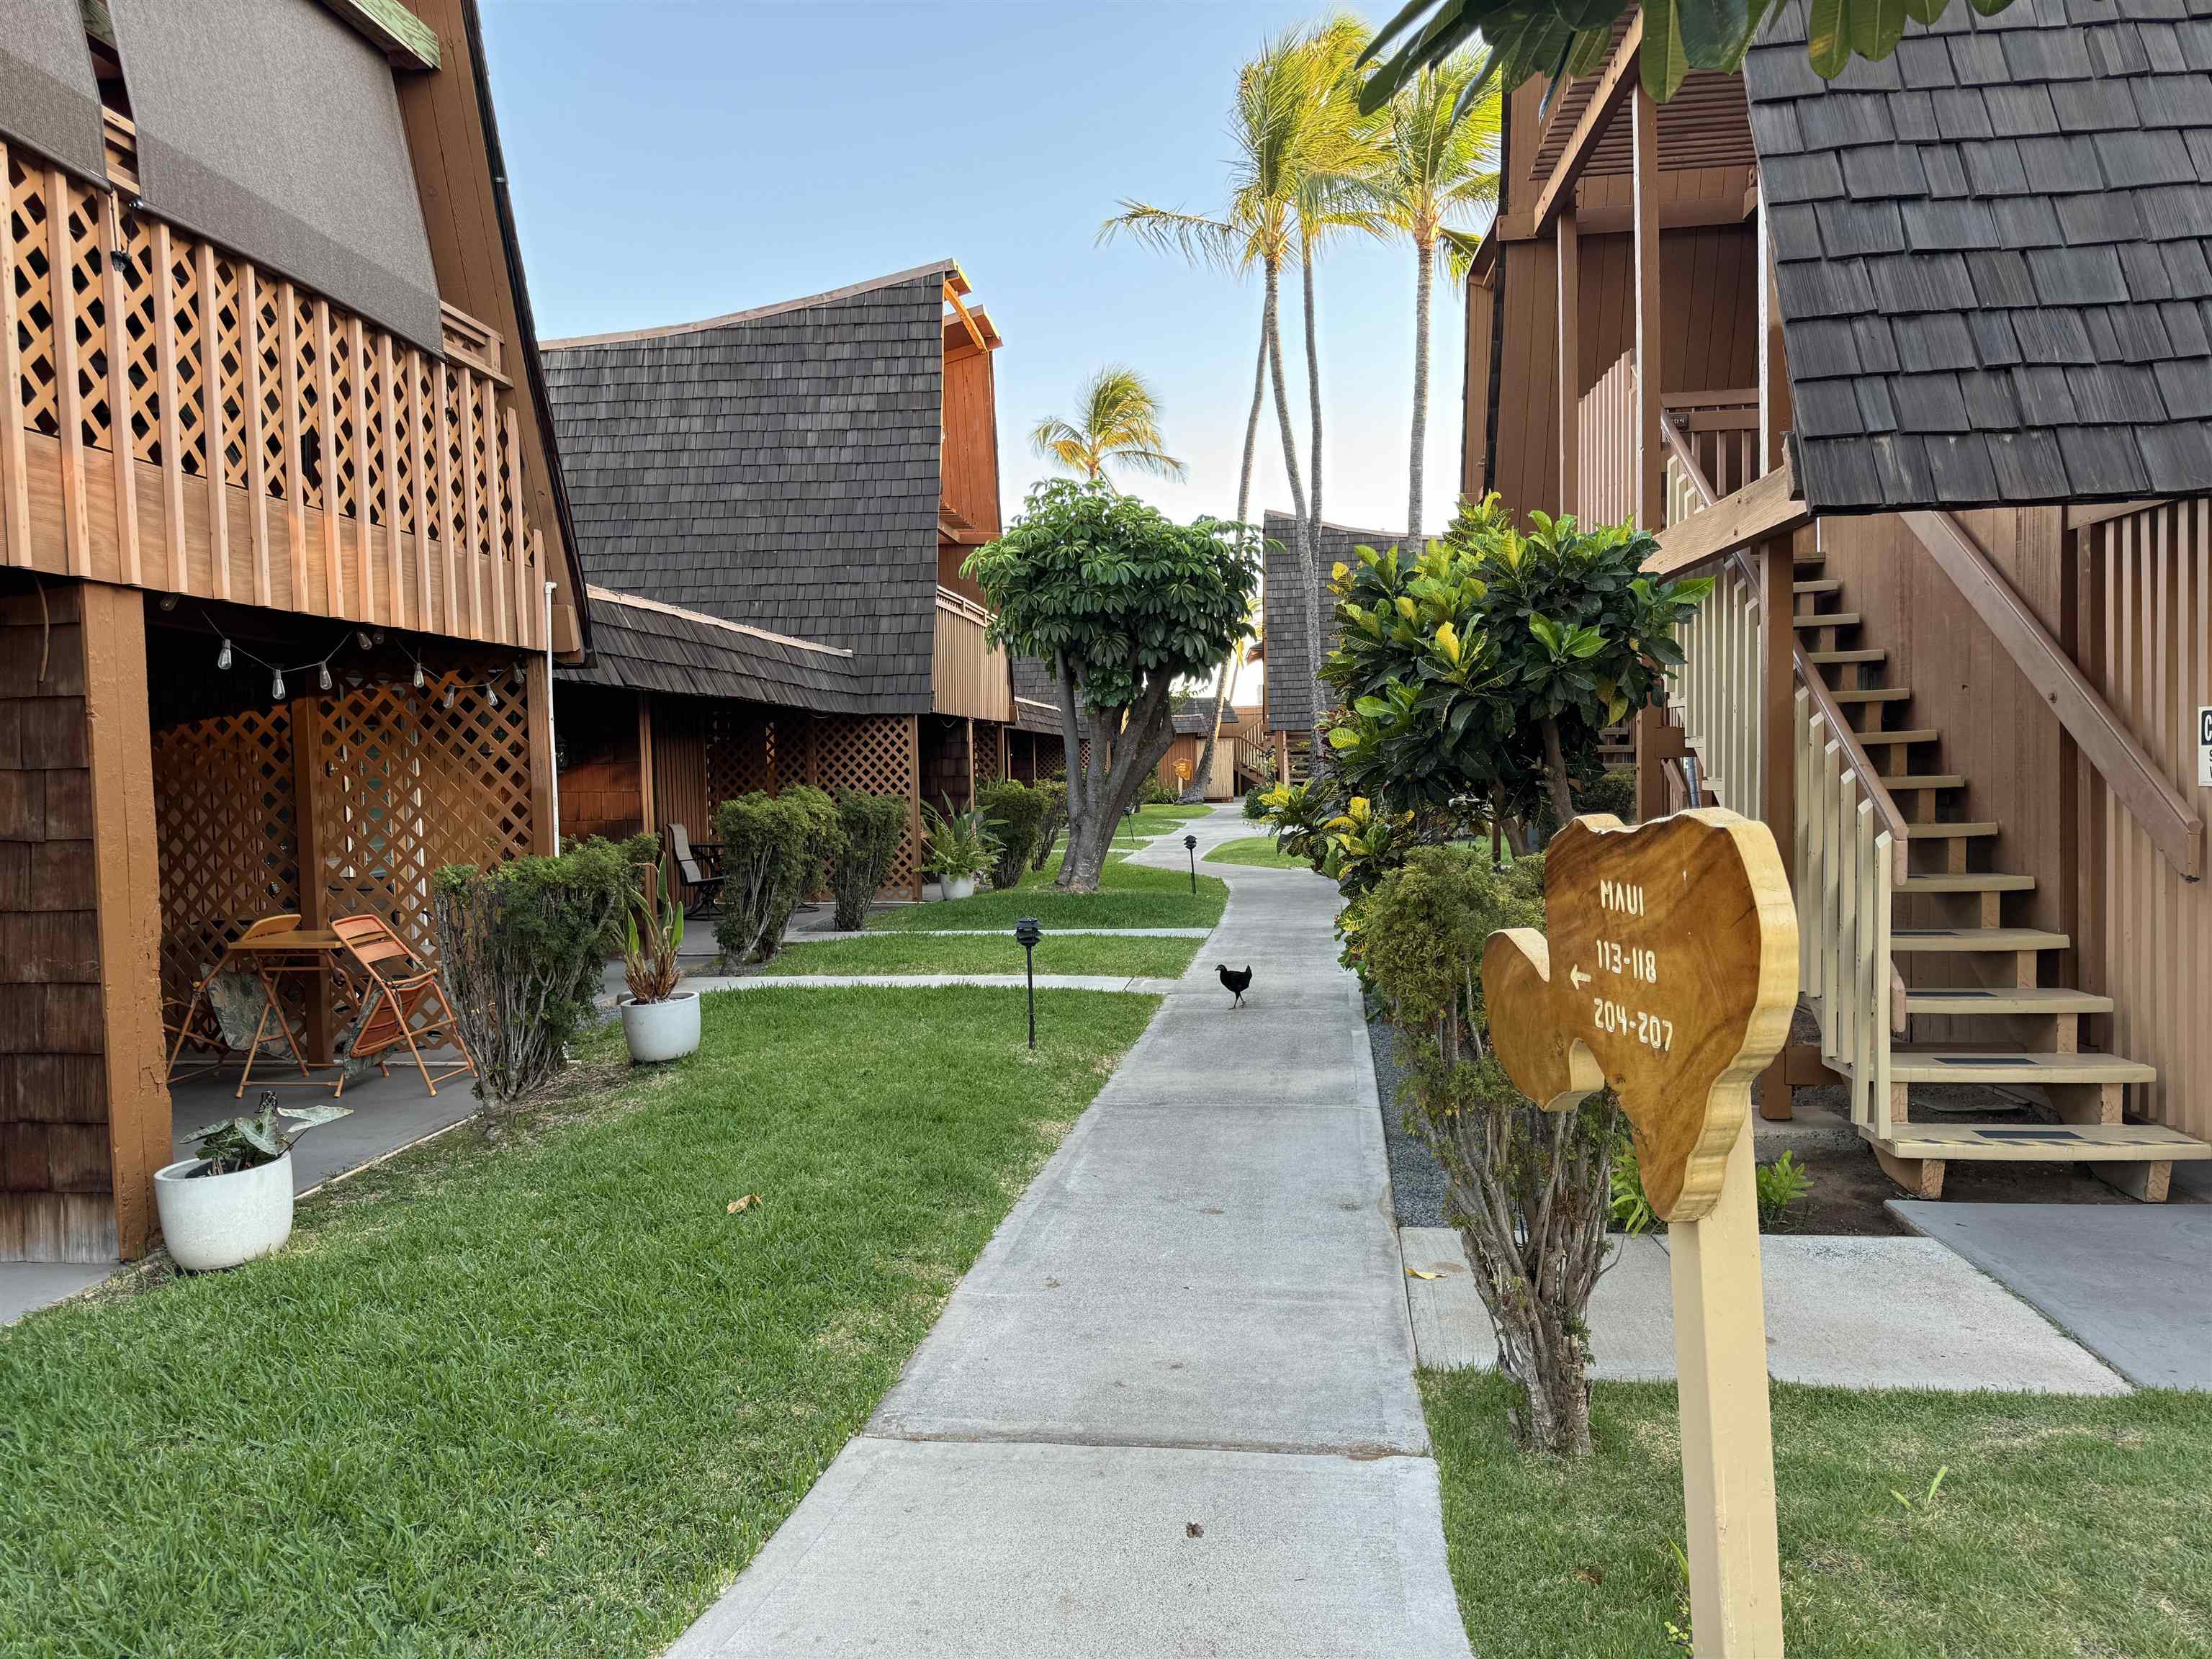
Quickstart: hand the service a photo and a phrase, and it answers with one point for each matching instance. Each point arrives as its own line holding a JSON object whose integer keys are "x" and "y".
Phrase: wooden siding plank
{"x": 256, "y": 446}
{"x": 326, "y": 427}
{"x": 1650, "y": 495}
{"x": 470, "y": 551}
{"x": 395, "y": 611}
{"x": 118, "y": 393}
{"x": 1568, "y": 257}
{"x": 296, "y": 526}
{"x": 213, "y": 422}
{"x": 419, "y": 481}
{"x": 15, "y": 480}
{"x": 68, "y": 405}
{"x": 166, "y": 347}
{"x": 450, "y": 621}
{"x": 364, "y": 574}
{"x": 493, "y": 553}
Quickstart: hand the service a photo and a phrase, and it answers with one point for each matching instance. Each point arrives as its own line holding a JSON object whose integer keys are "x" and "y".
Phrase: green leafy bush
{"x": 764, "y": 841}
{"x": 823, "y": 831}
{"x": 1777, "y": 1186}
{"x": 869, "y": 828}
{"x": 1780, "y": 1185}
{"x": 1157, "y": 793}
{"x": 1255, "y": 804}
{"x": 1055, "y": 791}
{"x": 522, "y": 946}
{"x": 1016, "y": 814}
{"x": 960, "y": 844}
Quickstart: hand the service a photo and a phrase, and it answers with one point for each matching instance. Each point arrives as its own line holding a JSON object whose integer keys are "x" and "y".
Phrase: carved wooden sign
{"x": 1668, "y": 970}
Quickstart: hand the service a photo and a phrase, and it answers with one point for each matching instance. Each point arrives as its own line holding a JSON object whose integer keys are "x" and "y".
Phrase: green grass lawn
{"x": 1128, "y": 895}
{"x": 546, "y": 1397}
{"x": 1255, "y": 850}
{"x": 988, "y": 953}
{"x": 2063, "y": 1527}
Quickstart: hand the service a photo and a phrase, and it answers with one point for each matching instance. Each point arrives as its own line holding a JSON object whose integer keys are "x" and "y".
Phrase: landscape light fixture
{"x": 1026, "y": 934}
{"x": 1190, "y": 846}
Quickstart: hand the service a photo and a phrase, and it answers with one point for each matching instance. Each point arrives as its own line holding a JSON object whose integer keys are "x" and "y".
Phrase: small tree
{"x": 1120, "y": 604}
{"x": 764, "y": 840}
{"x": 1015, "y": 812}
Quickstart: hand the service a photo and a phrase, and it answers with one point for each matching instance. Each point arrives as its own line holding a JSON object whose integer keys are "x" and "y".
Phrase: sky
{"x": 672, "y": 160}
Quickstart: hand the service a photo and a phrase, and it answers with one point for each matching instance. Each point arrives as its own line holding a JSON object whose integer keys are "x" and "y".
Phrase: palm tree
{"x": 1289, "y": 125}
{"x": 1118, "y": 424}
{"x": 1439, "y": 168}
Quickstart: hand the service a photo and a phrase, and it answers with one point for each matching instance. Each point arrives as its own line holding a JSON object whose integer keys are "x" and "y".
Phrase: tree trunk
{"x": 1252, "y": 423}
{"x": 1536, "y": 1350}
{"x": 1425, "y": 260}
{"x": 1301, "y": 543}
{"x": 1555, "y": 772}
{"x": 1147, "y": 735}
{"x": 1313, "y": 400}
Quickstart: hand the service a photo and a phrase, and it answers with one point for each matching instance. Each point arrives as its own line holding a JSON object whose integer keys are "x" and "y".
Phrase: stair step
{"x": 1909, "y": 780}
{"x": 1833, "y": 619}
{"x": 2149, "y": 1143}
{"x": 1967, "y": 882}
{"x": 2003, "y": 999}
{"x": 1834, "y": 658}
{"x": 1873, "y": 693}
{"x": 1965, "y": 831}
{"x": 1995, "y": 1066}
{"x": 1904, "y": 734}
{"x": 2010, "y": 941}
{"x": 1818, "y": 584}
{"x": 1813, "y": 561}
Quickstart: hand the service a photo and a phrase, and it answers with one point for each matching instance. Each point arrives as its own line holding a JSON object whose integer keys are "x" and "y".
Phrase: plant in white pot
{"x": 232, "y": 1202}
{"x": 960, "y": 848}
{"x": 658, "y": 1021}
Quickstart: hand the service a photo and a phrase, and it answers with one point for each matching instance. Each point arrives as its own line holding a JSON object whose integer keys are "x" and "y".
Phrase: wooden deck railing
{"x": 174, "y": 418}
{"x": 1719, "y": 430}
{"x": 970, "y": 676}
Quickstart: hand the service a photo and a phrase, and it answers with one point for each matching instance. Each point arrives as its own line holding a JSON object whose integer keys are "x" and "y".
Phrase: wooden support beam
{"x": 68, "y": 403}
{"x": 1618, "y": 78}
{"x": 441, "y": 390}
{"x": 545, "y": 801}
{"x": 364, "y": 573}
{"x": 1768, "y": 506}
{"x": 119, "y": 447}
{"x": 647, "y": 816}
{"x": 179, "y": 577}
{"x": 326, "y": 423}
{"x": 914, "y": 797}
{"x": 395, "y": 608}
{"x": 15, "y": 477}
{"x": 256, "y": 446}
{"x": 419, "y": 488}
{"x": 2134, "y": 777}
{"x": 406, "y": 41}
{"x": 1570, "y": 261}
{"x": 1777, "y": 720}
{"x": 1774, "y": 399}
{"x": 309, "y": 832}
{"x": 127, "y": 882}
{"x": 215, "y": 431}
{"x": 1650, "y": 492}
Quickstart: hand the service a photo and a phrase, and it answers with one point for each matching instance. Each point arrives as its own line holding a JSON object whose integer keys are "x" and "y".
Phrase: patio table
{"x": 308, "y": 953}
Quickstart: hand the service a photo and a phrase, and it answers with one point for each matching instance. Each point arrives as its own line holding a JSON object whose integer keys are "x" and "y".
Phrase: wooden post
{"x": 1774, "y": 402}
{"x": 914, "y": 797}
{"x": 1777, "y": 718}
{"x": 1650, "y": 493}
{"x": 127, "y": 882}
{"x": 306, "y": 717}
{"x": 1727, "y": 1435}
{"x": 647, "y": 818}
{"x": 1570, "y": 358}
{"x": 544, "y": 807}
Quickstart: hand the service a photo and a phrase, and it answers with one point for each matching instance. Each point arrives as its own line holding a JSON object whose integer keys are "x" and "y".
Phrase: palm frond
{"x": 1190, "y": 236}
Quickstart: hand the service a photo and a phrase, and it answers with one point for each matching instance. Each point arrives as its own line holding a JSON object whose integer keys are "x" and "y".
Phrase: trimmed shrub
{"x": 764, "y": 857}
{"x": 1157, "y": 793}
{"x": 1055, "y": 791}
{"x": 1016, "y": 813}
{"x": 1255, "y": 807}
{"x": 522, "y": 946}
{"x": 870, "y": 827}
{"x": 823, "y": 833}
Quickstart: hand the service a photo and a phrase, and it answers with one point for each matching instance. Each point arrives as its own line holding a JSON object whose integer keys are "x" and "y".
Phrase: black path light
{"x": 1026, "y": 934}
{"x": 1190, "y": 846}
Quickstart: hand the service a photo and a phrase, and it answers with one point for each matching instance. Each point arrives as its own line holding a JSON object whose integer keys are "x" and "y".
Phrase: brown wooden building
{"x": 774, "y": 506}
{"x": 1918, "y": 359}
{"x": 283, "y": 559}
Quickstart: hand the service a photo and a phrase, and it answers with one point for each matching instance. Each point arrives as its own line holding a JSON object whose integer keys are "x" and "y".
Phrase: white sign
{"x": 2204, "y": 747}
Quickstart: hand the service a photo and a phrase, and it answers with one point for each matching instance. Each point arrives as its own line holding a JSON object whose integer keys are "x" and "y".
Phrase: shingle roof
{"x": 779, "y": 467}
{"x": 1289, "y": 673}
{"x": 1193, "y": 717}
{"x": 1036, "y": 699}
{"x": 1992, "y": 253}
{"x": 644, "y": 645}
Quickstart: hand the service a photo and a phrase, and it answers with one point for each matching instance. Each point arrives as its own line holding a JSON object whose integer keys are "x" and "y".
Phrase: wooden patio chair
{"x": 200, "y": 1022}
{"x": 701, "y": 884}
{"x": 402, "y": 1003}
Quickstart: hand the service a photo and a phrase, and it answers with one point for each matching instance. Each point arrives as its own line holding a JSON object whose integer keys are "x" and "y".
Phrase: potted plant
{"x": 658, "y": 1021}
{"x": 232, "y": 1202}
{"x": 960, "y": 848}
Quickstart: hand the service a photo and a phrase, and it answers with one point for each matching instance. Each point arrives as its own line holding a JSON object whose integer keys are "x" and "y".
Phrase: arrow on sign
{"x": 1577, "y": 978}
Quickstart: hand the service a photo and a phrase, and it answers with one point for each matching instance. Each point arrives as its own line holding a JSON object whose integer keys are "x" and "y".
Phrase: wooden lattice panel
{"x": 875, "y": 755}
{"x": 989, "y": 765}
{"x": 343, "y": 369}
{"x": 269, "y": 343}
{"x": 223, "y": 823}
{"x": 136, "y": 268}
{"x": 27, "y": 191}
{"x": 308, "y": 397}
{"x": 87, "y": 282}
{"x": 740, "y": 752}
{"x": 229, "y": 386}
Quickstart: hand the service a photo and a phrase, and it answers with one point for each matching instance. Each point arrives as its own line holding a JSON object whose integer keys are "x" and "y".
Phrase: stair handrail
{"x": 2136, "y": 780}
{"x": 1872, "y": 789}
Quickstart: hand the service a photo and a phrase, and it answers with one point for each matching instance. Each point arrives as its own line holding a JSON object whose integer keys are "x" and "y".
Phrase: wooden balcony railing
{"x": 1605, "y": 447}
{"x": 1718, "y": 430}
{"x": 175, "y": 419}
{"x": 970, "y": 676}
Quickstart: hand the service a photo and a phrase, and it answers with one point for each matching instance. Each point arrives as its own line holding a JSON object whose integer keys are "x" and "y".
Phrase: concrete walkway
{"x": 910, "y": 982}
{"x": 1171, "y": 1410}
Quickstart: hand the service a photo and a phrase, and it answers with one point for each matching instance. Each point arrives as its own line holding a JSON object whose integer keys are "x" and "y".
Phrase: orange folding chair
{"x": 402, "y": 1003}
{"x": 200, "y": 1026}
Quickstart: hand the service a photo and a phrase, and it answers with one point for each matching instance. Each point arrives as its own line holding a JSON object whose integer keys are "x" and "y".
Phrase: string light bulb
{"x": 449, "y": 696}
{"x": 276, "y": 687}
{"x": 491, "y": 691}
{"x": 322, "y": 676}
{"x": 368, "y": 639}
{"x": 418, "y": 676}
{"x": 222, "y": 657}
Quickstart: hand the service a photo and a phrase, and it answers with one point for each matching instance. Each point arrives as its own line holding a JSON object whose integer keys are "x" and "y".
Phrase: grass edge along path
{"x": 1254, "y": 852}
{"x": 1137, "y": 956}
{"x": 2063, "y": 1526}
{"x": 547, "y": 1396}
{"x": 1128, "y": 895}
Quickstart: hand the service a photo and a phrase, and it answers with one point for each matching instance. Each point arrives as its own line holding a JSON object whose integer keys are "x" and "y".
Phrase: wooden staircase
{"x": 2020, "y": 1029}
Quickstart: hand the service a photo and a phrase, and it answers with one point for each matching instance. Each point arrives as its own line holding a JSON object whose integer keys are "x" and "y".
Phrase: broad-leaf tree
{"x": 1554, "y": 38}
{"x": 1117, "y": 423}
{"x": 1120, "y": 603}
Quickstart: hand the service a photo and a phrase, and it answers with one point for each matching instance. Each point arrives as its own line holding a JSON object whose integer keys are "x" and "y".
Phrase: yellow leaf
{"x": 1416, "y": 1272}
{"x": 1339, "y": 570}
{"x": 744, "y": 1203}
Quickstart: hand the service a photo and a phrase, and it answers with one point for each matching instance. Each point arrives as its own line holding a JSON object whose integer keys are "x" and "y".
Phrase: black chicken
{"x": 1237, "y": 982}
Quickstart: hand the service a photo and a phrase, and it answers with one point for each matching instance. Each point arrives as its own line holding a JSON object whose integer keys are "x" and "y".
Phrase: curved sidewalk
{"x": 1171, "y": 1408}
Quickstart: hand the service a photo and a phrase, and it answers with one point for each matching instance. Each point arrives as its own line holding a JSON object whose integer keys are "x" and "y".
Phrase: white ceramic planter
{"x": 956, "y": 887}
{"x": 662, "y": 1030}
{"x": 219, "y": 1221}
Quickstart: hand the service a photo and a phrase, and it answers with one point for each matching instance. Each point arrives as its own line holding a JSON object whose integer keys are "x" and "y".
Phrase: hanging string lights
{"x": 227, "y": 652}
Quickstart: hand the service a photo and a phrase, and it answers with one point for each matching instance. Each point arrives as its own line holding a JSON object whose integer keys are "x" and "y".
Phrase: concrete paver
{"x": 27, "y": 1286}
{"x": 2126, "y": 1281}
{"x": 1194, "y": 1318}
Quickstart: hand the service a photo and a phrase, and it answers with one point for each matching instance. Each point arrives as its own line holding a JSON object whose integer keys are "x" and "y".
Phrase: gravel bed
{"x": 1417, "y": 1180}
